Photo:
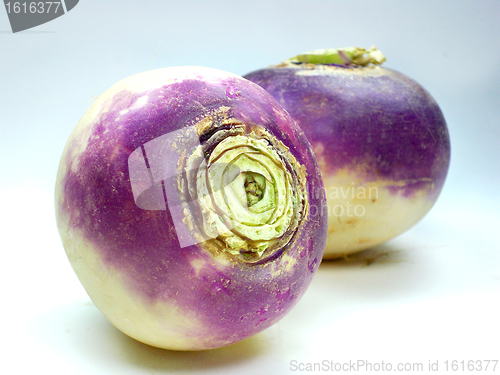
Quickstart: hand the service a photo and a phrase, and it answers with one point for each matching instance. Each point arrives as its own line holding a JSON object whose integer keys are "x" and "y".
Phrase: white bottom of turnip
{"x": 363, "y": 214}
{"x": 157, "y": 323}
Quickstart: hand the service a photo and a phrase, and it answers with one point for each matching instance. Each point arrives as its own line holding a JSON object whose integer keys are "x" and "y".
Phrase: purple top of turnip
{"x": 363, "y": 115}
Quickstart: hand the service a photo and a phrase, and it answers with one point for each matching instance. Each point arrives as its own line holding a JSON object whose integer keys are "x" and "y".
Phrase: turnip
{"x": 380, "y": 139}
{"x": 187, "y": 202}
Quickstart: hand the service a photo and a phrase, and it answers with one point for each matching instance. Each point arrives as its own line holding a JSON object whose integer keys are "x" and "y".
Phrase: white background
{"x": 430, "y": 294}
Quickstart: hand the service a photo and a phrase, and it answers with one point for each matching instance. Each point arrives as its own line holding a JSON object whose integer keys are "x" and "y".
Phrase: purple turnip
{"x": 187, "y": 202}
{"x": 380, "y": 139}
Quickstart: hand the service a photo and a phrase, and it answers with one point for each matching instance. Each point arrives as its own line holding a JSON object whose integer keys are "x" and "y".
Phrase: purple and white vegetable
{"x": 187, "y": 202}
{"x": 380, "y": 139}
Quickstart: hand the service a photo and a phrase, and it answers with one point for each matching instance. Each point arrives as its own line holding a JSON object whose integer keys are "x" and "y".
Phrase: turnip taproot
{"x": 186, "y": 200}
{"x": 380, "y": 139}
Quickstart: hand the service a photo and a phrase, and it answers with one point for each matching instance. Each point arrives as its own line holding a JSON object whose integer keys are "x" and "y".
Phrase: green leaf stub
{"x": 249, "y": 191}
{"x": 342, "y": 56}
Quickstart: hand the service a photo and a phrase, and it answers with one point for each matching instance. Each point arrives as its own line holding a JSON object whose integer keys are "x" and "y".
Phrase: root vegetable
{"x": 380, "y": 139}
{"x": 186, "y": 200}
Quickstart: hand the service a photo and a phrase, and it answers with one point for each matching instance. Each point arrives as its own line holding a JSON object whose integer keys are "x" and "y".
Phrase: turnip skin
{"x": 370, "y": 128}
{"x": 129, "y": 260}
